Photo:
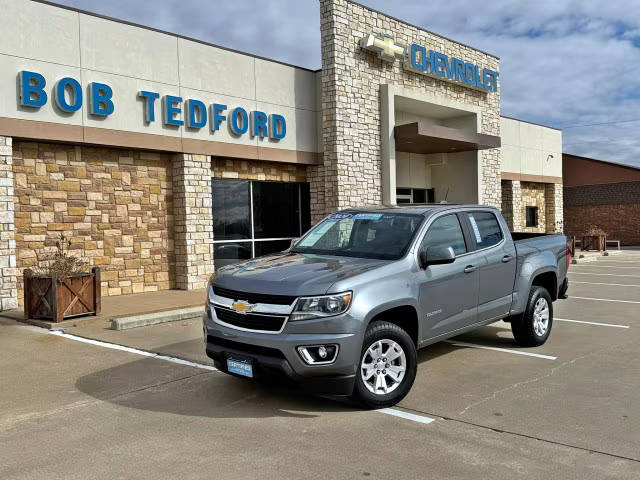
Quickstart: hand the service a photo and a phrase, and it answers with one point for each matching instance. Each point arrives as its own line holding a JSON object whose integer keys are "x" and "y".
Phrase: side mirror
{"x": 436, "y": 256}
{"x": 293, "y": 243}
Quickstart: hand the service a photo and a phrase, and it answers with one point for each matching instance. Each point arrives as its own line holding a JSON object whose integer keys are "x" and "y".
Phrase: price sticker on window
{"x": 317, "y": 233}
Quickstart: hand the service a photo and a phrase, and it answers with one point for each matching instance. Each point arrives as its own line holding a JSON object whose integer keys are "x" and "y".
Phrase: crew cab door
{"x": 498, "y": 271}
{"x": 448, "y": 293}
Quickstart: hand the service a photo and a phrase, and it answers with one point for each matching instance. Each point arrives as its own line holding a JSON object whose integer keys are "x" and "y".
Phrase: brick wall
{"x": 613, "y": 207}
{"x": 351, "y": 118}
{"x": 114, "y": 205}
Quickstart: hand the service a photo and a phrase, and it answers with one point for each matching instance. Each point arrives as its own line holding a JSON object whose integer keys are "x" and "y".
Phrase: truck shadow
{"x": 158, "y": 386}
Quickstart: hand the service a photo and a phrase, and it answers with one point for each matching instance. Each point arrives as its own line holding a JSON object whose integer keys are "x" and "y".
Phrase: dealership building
{"x": 161, "y": 156}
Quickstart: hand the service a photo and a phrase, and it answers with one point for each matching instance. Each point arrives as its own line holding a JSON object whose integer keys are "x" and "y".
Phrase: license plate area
{"x": 242, "y": 366}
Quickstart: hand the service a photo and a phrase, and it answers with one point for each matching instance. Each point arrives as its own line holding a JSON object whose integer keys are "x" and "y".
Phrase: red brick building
{"x": 602, "y": 194}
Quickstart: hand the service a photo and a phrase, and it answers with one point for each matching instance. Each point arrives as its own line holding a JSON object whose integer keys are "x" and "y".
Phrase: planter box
{"x": 56, "y": 298}
{"x": 594, "y": 242}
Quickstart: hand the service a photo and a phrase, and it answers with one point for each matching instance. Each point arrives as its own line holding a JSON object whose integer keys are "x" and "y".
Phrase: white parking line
{"x": 144, "y": 353}
{"x": 601, "y": 266}
{"x": 611, "y": 284}
{"x": 604, "y": 274}
{"x": 617, "y": 261}
{"x": 405, "y": 415}
{"x": 604, "y": 299}
{"x": 497, "y": 349}
{"x": 591, "y": 323}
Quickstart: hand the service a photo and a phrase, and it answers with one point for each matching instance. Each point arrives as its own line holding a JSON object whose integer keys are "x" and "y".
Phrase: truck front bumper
{"x": 275, "y": 357}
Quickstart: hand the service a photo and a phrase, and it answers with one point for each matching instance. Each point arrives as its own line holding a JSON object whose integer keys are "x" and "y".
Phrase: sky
{"x": 573, "y": 65}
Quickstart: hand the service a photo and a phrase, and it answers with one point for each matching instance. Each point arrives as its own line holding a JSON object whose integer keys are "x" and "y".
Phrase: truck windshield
{"x": 385, "y": 236}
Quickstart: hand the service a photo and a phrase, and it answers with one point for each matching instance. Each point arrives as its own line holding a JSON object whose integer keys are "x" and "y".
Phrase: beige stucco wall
{"x": 526, "y": 149}
{"x": 57, "y": 43}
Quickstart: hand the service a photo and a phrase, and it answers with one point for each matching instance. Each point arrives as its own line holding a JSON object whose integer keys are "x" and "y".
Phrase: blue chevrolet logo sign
{"x": 432, "y": 63}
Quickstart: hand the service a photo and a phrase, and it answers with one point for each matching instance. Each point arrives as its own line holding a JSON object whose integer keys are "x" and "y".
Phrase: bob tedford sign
{"x": 67, "y": 94}
{"x": 432, "y": 63}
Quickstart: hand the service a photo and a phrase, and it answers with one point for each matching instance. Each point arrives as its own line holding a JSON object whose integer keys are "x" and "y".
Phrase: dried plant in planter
{"x": 61, "y": 262}
{"x": 61, "y": 286}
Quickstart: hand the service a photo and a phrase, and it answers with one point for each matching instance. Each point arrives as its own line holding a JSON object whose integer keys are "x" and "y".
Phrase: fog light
{"x": 318, "y": 354}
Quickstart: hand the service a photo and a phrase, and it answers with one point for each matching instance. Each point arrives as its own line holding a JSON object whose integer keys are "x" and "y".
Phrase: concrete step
{"x": 125, "y": 322}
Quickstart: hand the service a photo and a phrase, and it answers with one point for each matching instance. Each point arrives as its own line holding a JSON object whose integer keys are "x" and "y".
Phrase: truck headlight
{"x": 322, "y": 306}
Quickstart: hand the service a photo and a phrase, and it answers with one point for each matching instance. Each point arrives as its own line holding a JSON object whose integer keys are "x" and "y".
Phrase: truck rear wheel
{"x": 533, "y": 327}
{"x": 387, "y": 368}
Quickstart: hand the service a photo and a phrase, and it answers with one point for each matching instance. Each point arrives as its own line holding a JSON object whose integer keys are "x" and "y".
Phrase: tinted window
{"x": 276, "y": 210}
{"x": 532, "y": 216}
{"x": 362, "y": 234}
{"x": 231, "y": 212}
{"x": 486, "y": 229}
{"x": 265, "y": 248}
{"x": 228, "y": 253}
{"x": 445, "y": 232}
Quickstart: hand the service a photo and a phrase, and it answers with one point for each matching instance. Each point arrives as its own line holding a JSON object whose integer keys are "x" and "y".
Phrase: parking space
{"x": 481, "y": 406}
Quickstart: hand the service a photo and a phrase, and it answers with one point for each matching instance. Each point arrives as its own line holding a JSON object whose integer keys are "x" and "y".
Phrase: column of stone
{"x": 512, "y": 204}
{"x": 8, "y": 281}
{"x": 193, "y": 221}
{"x": 553, "y": 201}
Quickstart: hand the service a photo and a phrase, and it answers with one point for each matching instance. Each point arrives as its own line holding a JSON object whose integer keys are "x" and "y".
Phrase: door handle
{"x": 506, "y": 258}
{"x": 470, "y": 268}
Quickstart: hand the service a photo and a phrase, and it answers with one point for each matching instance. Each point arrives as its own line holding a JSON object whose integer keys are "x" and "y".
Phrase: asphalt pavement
{"x": 481, "y": 407}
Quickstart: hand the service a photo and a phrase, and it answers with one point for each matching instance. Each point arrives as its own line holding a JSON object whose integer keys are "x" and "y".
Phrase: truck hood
{"x": 292, "y": 273}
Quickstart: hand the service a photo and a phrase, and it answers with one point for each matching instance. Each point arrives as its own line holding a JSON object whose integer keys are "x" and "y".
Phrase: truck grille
{"x": 251, "y": 321}
{"x": 254, "y": 297}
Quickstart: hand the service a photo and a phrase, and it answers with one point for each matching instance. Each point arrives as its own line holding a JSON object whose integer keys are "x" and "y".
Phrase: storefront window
{"x": 255, "y": 218}
{"x": 231, "y": 219}
{"x": 532, "y": 216}
{"x": 415, "y": 195}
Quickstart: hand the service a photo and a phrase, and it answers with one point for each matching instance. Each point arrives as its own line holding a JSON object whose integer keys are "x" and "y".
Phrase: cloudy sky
{"x": 570, "y": 64}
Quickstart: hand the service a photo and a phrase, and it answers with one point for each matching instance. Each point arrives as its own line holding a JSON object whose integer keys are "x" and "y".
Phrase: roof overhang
{"x": 421, "y": 137}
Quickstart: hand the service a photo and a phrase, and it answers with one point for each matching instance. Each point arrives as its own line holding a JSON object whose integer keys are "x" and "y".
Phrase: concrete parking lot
{"x": 481, "y": 406}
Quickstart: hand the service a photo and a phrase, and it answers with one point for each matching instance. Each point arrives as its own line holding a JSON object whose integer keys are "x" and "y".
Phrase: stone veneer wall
{"x": 8, "y": 280}
{"x": 114, "y": 205}
{"x": 351, "y": 121}
{"x": 257, "y": 170}
{"x": 554, "y": 208}
{"x": 533, "y": 195}
{"x": 193, "y": 221}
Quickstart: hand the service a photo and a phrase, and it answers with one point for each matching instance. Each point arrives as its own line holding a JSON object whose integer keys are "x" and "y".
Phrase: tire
{"x": 530, "y": 329}
{"x": 381, "y": 338}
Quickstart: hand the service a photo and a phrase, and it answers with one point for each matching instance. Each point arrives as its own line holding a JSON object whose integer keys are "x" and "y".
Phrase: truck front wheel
{"x": 533, "y": 327}
{"x": 387, "y": 367}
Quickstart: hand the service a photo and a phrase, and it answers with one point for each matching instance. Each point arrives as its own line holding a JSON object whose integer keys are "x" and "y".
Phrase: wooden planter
{"x": 55, "y": 298}
{"x": 594, "y": 242}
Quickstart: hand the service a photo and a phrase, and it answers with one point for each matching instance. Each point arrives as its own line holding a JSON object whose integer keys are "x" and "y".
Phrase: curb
{"x": 153, "y": 318}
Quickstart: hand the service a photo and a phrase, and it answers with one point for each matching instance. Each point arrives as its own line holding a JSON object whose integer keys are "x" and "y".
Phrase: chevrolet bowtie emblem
{"x": 384, "y": 46}
{"x": 242, "y": 307}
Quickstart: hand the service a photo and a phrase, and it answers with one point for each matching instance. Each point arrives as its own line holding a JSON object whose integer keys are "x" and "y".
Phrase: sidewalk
{"x": 124, "y": 305}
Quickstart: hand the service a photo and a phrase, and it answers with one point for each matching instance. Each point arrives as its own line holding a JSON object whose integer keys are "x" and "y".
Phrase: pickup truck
{"x": 346, "y": 308}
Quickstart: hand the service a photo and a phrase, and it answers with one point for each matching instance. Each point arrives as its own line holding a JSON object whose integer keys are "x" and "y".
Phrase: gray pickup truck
{"x": 346, "y": 308}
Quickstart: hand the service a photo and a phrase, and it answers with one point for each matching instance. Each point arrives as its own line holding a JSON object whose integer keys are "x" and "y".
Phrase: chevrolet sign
{"x": 432, "y": 63}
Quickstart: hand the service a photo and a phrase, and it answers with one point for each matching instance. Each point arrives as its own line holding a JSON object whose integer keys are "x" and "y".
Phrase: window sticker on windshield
{"x": 475, "y": 229}
{"x": 341, "y": 216}
{"x": 316, "y": 233}
{"x": 367, "y": 216}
